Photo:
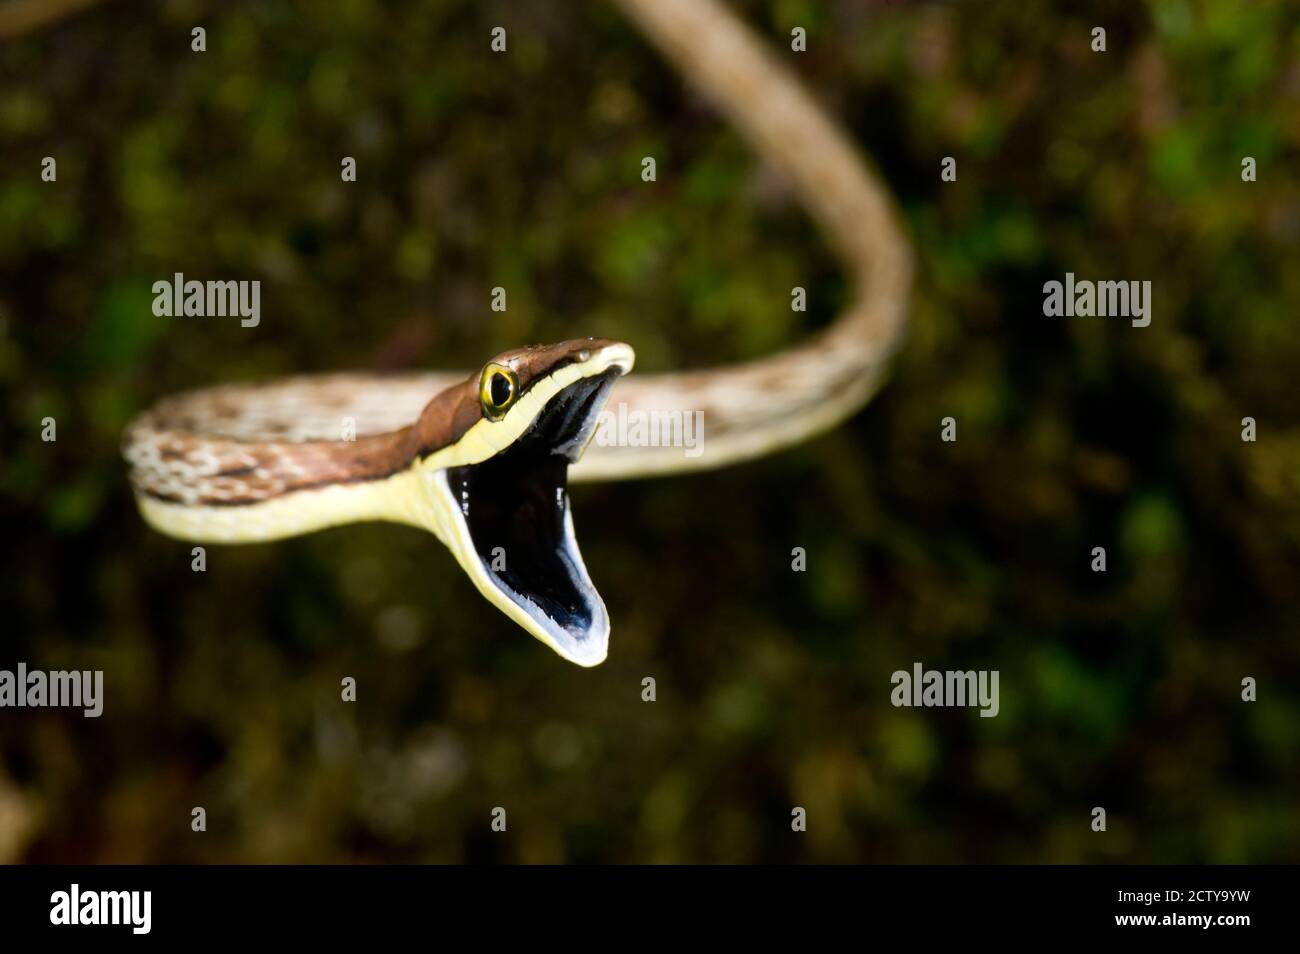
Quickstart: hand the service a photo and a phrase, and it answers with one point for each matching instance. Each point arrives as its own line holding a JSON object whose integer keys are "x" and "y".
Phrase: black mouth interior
{"x": 518, "y": 500}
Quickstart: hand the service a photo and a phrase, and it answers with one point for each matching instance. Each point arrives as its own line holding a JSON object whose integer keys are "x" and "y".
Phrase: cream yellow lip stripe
{"x": 459, "y": 455}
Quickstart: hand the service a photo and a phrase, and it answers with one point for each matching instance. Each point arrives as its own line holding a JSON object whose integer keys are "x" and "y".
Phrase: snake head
{"x": 499, "y": 485}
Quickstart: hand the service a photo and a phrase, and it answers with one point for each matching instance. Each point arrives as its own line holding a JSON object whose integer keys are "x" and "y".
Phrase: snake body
{"x": 248, "y": 463}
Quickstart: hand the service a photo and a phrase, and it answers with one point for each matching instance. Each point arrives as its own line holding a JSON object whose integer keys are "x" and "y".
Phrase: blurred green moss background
{"x": 523, "y": 170}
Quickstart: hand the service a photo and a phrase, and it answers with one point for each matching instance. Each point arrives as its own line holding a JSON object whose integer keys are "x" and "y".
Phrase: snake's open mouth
{"x": 516, "y": 509}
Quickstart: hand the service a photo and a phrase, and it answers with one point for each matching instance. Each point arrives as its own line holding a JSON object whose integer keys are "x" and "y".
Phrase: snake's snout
{"x": 509, "y": 520}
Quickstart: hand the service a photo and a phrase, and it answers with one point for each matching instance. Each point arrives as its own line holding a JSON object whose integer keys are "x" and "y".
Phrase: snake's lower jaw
{"x": 512, "y": 529}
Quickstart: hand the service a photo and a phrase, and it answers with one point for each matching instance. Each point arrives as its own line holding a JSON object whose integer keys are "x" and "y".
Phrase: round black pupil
{"x": 499, "y": 389}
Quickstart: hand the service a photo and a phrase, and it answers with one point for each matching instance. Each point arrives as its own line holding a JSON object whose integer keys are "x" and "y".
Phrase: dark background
{"x": 1119, "y": 689}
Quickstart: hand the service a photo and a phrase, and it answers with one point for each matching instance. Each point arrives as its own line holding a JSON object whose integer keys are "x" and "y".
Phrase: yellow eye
{"x": 497, "y": 390}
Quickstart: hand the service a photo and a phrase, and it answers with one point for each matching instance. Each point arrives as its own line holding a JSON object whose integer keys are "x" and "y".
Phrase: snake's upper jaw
{"x": 513, "y": 530}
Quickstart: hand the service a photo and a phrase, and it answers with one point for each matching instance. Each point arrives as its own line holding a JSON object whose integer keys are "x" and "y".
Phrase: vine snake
{"x": 483, "y": 461}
